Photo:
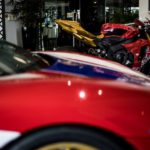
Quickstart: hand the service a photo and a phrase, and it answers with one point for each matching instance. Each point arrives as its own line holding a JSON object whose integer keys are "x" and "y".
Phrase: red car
{"x": 69, "y": 101}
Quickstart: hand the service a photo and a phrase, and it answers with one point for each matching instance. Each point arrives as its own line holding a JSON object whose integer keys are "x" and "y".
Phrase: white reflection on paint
{"x": 69, "y": 83}
{"x": 100, "y": 92}
{"x": 82, "y": 94}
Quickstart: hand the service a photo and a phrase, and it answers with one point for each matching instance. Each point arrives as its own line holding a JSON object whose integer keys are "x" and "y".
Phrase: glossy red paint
{"x": 51, "y": 96}
{"x": 118, "y": 107}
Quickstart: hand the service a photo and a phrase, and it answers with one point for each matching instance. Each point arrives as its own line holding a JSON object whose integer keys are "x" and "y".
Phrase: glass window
{"x": 53, "y": 36}
{"x": 121, "y": 11}
{"x": 14, "y": 59}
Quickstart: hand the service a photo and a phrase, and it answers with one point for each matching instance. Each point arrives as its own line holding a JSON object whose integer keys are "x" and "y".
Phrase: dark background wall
{"x": 92, "y": 14}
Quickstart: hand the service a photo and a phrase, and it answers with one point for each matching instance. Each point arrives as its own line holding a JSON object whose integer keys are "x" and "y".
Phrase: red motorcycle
{"x": 128, "y": 45}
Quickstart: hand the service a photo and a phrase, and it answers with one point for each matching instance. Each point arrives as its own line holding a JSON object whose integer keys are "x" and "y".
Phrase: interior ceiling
{"x": 133, "y": 3}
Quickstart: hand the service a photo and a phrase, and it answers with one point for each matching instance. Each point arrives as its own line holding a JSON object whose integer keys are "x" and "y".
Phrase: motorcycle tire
{"x": 146, "y": 68}
{"x": 123, "y": 57}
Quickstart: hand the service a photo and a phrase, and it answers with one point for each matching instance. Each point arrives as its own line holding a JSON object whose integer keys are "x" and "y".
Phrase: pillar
{"x": 92, "y": 15}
